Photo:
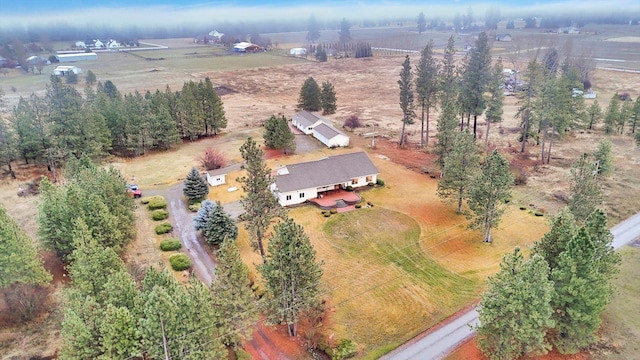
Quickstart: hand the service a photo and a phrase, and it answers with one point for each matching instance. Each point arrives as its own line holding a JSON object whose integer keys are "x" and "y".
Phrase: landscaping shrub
{"x": 159, "y": 214}
{"x": 195, "y": 207}
{"x": 523, "y": 208}
{"x": 180, "y": 262}
{"x": 370, "y": 183}
{"x": 145, "y": 200}
{"x": 333, "y": 211}
{"x": 212, "y": 159}
{"x": 358, "y": 206}
{"x": 170, "y": 244}
{"x": 379, "y": 182}
{"x": 349, "y": 188}
{"x": 326, "y": 214}
{"x": 241, "y": 354}
{"x": 163, "y": 228}
{"x": 156, "y": 202}
{"x": 538, "y": 213}
{"x": 370, "y": 203}
{"x": 346, "y": 348}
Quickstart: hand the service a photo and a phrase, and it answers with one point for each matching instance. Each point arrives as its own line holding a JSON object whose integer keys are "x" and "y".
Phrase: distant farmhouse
{"x": 320, "y": 128}
{"x": 504, "y": 37}
{"x": 297, "y": 183}
{"x": 298, "y": 52}
{"x": 244, "y": 47}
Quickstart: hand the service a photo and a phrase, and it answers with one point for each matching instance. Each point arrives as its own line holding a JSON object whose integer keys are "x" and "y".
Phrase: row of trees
{"x": 314, "y": 98}
{"x": 64, "y": 123}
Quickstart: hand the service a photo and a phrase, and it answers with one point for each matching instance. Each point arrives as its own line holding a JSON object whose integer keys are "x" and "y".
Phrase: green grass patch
{"x": 386, "y": 278}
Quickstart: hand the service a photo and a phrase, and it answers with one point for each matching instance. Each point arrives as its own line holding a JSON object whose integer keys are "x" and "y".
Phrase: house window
{"x": 369, "y": 179}
{"x": 288, "y": 197}
{"x": 354, "y": 181}
{"x": 301, "y": 195}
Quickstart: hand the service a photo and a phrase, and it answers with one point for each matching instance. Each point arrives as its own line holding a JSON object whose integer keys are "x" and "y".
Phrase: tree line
{"x": 63, "y": 123}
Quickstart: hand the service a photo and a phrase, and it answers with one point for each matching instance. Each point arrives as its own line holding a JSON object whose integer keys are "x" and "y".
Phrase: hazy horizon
{"x": 173, "y": 12}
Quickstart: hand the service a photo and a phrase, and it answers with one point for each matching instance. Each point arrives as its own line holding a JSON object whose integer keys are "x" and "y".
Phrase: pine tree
{"x": 291, "y": 275}
{"x": 604, "y": 157}
{"x": 554, "y": 242}
{"x": 515, "y": 310}
{"x": 328, "y": 98}
{"x": 475, "y": 78}
{"x": 90, "y": 78}
{"x": 260, "y": 205}
{"x": 634, "y": 118}
{"x": 81, "y": 327}
{"x": 19, "y": 260}
{"x": 449, "y": 78}
{"x": 313, "y": 29}
{"x": 345, "y": 33}
{"x": 422, "y": 23}
{"x": 278, "y": 135}
{"x": 447, "y": 127}
{"x": 581, "y": 291}
{"x": 526, "y": 103}
{"x": 310, "y": 97}
{"x": 215, "y": 223}
{"x": 212, "y": 107}
{"x": 488, "y": 192}
{"x": 460, "y": 168}
{"x": 406, "y": 97}
{"x": 494, "y": 106}
{"x": 427, "y": 86}
{"x": 233, "y": 298}
{"x": 594, "y": 114}
{"x": 586, "y": 194}
{"x": 195, "y": 186}
{"x": 612, "y": 115}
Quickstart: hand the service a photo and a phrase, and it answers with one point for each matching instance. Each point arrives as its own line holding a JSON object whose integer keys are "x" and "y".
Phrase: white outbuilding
{"x": 298, "y": 52}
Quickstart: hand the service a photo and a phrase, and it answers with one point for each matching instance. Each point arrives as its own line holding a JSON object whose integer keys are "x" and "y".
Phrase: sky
{"x": 154, "y": 12}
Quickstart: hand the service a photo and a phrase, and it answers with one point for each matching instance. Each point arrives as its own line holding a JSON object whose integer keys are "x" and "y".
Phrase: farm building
{"x": 330, "y": 136}
{"x": 217, "y": 177}
{"x": 306, "y": 121}
{"x": 246, "y": 47}
{"x": 72, "y": 57}
{"x": 64, "y": 70}
{"x": 504, "y": 37}
{"x": 297, "y": 183}
{"x": 298, "y": 51}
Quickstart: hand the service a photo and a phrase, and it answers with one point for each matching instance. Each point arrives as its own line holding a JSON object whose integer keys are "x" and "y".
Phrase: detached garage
{"x": 330, "y": 136}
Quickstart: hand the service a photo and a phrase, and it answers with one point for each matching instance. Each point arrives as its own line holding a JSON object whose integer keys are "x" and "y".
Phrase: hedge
{"x": 159, "y": 214}
{"x": 379, "y": 182}
{"x": 170, "y": 244}
{"x": 195, "y": 207}
{"x": 157, "y": 202}
{"x": 163, "y": 228}
{"x": 180, "y": 262}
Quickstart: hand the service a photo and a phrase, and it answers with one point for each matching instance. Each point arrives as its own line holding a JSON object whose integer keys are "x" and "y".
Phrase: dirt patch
{"x": 270, "y": 343}
{"x": 469, "y": 351}
{"x": 224, "y": 90}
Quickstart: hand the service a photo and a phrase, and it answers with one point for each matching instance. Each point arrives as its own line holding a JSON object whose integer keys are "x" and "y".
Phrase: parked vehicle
{"x": 134, "y": 191}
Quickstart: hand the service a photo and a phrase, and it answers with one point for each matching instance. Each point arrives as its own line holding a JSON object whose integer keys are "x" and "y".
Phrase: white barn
{"x": 298, "y": 51}
{"x": 64, "y": 70}
{"x": 306, "y": 121}
{"x": 297, "y": 183}
{"x": 72, "y": 57}
{"x": 330, "y": 136}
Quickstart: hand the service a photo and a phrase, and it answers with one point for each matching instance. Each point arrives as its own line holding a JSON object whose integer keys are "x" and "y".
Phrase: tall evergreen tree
{"x": 19, "y": 260}
{"x": 586, "y": 194}
{"x": 195, "y": 187}
{"x": 554, "y": 242}
{"x": 634, "y": 118}
{"x": 313, "y": 29}
{"x": 460, "y": 168}
{"x": 515, "y": 310}
{"x": 427, "y": 86}
{"x": 260, "y": 205}
{"x": 7, "y": 145}
{"x": 310, "y": 97}
{"x": 594, "y": 114}
{"x": 278, "y": 135}
{"x": 291, "y": 275}
{"x": 215, "y": 223}
{"x": 525, "y": 103}
{"x": 612, "y": 115}
{"x": 233, "y": 298}
{"x": 328, "y": 98}
{"x": 488, "y": 192}
{"x": 345, "y": 33}
{"x": 496, "y": 98}
{"x": 447, "y": 130}
{"x": 475, "y": 78}
{"x": 422, "y": 23}
{"x": 214, "y": 116}
{"x": 406, "y": 97}
{"x": 604, "y": 157}
{"x": 448, "y": 74}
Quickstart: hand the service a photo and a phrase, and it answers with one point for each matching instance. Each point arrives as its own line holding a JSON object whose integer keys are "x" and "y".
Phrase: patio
{"x": 341, "y": 200}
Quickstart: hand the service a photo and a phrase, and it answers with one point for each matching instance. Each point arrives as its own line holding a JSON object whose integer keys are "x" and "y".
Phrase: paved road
{"x": 439, "y": 343}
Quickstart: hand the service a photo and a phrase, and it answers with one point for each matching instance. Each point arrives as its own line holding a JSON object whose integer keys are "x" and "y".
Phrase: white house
{"x": 64, "y": 70}
{"x": 306, "y": 121}
{"x": 330, "y": 136}
{"x": 504, "y": 37}
{"x": 112, "y": 44}
{"x": 217, "y": 177}
{"x": 81, "y": 44}
{"x": 297, "y": 183}
{"x": 98, "y": 44}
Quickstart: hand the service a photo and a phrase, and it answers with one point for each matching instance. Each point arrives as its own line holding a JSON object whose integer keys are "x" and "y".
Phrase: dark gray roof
{"x": 327, "y": 131}
{"x": 306, "y": 118}
{"x": 327, "y": 171}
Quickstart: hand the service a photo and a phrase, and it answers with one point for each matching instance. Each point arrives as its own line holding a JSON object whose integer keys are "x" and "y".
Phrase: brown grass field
{"x": 382, "y": 288}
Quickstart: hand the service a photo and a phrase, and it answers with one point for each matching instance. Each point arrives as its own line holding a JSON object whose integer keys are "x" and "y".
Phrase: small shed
{"x": 64, "y": 70}
{"x": 217, "y": 177}
{"x": 330, "y": 136}
{"x": 504, "y": 37}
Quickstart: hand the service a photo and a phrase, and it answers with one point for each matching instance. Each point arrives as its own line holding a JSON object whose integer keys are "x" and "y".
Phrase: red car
{"x": 134, "y": 191}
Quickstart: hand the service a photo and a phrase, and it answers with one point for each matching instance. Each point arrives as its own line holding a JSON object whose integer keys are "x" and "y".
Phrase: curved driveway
{"x": 439, "y": 343}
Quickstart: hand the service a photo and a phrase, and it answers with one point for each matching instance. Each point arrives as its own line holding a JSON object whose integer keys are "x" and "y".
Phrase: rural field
{"x": 405, "y": 264}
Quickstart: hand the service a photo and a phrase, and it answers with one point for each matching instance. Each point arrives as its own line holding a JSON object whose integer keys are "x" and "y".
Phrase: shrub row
{"x": 180, "y": 262}
{"x": 155, "y": 202}
{"x": 163, "y": 228}
{"x": 170, "y": 244}
{"x": 159, "y": 214}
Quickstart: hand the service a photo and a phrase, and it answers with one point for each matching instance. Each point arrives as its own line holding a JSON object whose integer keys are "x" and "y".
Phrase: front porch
{"x": 339, "y": 199}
